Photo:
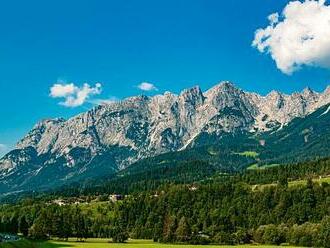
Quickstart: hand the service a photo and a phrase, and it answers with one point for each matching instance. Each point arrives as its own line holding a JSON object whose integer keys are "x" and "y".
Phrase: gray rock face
{"x": 147, "y": 126}
{"x": 278, "y": 108}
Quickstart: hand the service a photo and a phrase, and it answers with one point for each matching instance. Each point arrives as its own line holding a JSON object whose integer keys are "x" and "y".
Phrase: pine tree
{"x": 324, "y": 235}
{"x": 169, "y": 229}
{"x": 183, "y": 231}
{"x": 23, "y": 226}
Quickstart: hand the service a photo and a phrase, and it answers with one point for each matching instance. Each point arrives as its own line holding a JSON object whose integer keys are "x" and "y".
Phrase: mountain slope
{"x": 302, "y": 139}
{"x": 110, "y": 137}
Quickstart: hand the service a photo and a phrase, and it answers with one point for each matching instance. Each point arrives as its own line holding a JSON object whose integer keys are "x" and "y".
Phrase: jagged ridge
{"x": 110, "y": 137}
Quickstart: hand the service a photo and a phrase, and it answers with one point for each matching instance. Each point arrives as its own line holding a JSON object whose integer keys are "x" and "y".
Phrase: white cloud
{"x": 62, "y": 90}
{"x": 106, "y": 101}
{"x": 299, "y": 36}
{"x": 147, "y": 86}
{"x": 73, "y": 95}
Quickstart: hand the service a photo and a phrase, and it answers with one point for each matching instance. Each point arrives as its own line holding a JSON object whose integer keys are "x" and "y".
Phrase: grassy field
{"x": 295, "y": 183}
{"x": 303, "y": 182}
{"x": 266, "y": 166}
{"x": 251, "y": 154}
{"x": 103, "y": 243}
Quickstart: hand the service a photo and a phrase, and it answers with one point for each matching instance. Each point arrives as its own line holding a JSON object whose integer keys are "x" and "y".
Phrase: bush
{"x": 200, "y": 240}
{"x": 324, "y": 235}
{"x": 119, "y": 235}
{"x": 272, "y": 235}
{"x": 306, "y": 234}
{"x": 37, "y": 233}
{"x": 223, "y": 238}
{"x": 242, "y": 237}
{"x": 258, "y": 234}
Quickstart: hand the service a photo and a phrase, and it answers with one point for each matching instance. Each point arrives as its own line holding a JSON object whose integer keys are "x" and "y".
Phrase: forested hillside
{"x": 222, "y": 209}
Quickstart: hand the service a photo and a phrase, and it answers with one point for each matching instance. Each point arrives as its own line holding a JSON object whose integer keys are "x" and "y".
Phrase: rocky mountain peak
{"x": 139, "y": 98}
{"x": 308, "y": 91}
{"x": 223, "y": 86}
{"x": 48, "y": 122}
{"x": 276, "y": 99}
{"x": 196, "y": 90}
{"x": 193, "y": 96}
{"x": 137, "y": 127}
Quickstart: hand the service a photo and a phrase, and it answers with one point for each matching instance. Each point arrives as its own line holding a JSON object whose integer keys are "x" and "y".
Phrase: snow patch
{"x": 325, "y": 112}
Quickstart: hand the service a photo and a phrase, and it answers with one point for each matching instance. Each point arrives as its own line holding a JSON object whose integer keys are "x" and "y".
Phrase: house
{"x": 116, "y": 197}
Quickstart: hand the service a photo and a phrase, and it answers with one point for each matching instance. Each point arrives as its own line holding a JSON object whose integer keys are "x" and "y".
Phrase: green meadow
{"x": 303, "y": 182}
{"x": 251, "y": 154}
{"x": 257, "y": 167}
{"x": 104, "y": 243}
{"x": 295, "y": 183}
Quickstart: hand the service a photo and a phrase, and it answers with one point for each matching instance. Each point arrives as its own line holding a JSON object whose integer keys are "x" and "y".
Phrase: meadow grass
{"x": 303, "y": 182}
{"x": 295, "y": 183}
{"x": 262, "y": 167}
{"x": 253, "y": 167}
{"x": 104, "y": 243}
{"x": 251, "y": 154}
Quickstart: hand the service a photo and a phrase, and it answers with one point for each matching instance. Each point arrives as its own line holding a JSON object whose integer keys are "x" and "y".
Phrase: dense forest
{"x": 145, "y": 177}
{"x": 224, "y": 209}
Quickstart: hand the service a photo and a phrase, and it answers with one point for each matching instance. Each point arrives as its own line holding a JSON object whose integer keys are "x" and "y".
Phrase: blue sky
{"x": 171, "y": 44}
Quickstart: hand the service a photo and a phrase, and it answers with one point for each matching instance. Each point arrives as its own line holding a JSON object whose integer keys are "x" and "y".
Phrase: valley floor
{"x": 103, "y": 243}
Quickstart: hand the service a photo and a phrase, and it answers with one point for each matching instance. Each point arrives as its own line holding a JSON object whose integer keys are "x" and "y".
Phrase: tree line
{"x": 223, "y": 209}
{"x": 221, "y": 213}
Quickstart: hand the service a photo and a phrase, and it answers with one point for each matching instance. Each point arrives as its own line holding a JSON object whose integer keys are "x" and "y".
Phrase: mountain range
{"x": 224, "y": 125}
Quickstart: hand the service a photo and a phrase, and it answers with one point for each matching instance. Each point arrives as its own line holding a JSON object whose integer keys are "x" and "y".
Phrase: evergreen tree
{"x": 183, "y": 231}
{"x": 23, "y": 226}
{"x": 324, "y": 235}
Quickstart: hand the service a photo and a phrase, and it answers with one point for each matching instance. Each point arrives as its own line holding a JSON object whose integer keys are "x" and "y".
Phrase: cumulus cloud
{"x": 73, "y": 95}
{"x": 147, "y": 86}
{"x": 62, "y": 90}
{"x": 299, "y": 36}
